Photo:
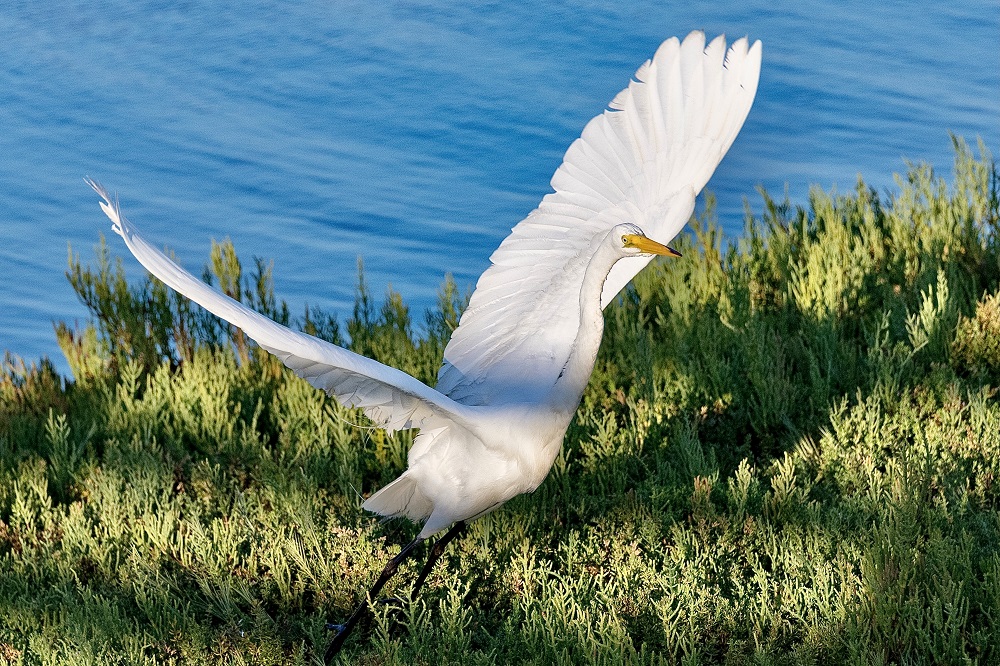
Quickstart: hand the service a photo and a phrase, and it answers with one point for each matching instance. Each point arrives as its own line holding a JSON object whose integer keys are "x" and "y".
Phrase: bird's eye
{"x": 625, "y": 241}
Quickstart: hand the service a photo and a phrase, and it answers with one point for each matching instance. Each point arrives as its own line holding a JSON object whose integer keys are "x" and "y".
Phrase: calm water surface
{"x": 415, "y": 135}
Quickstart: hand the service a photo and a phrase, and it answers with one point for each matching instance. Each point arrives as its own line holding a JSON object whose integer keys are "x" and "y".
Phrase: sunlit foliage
{"x": 788, "y": 454}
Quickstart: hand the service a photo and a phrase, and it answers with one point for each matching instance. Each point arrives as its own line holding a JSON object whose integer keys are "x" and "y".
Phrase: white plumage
{"x": 516, "y": 366}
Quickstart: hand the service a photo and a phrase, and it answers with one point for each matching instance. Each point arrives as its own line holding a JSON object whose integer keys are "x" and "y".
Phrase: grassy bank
{"x": 789, "y": 454}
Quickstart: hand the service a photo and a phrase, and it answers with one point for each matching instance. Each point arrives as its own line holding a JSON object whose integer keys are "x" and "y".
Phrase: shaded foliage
{"x": 788, "y": 453}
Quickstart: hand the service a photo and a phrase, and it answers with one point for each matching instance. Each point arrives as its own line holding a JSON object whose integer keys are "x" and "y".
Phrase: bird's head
{"x": 633, "y": 241}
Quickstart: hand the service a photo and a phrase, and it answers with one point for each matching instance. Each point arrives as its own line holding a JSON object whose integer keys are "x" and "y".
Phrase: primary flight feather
{"x": 516, "y": 366}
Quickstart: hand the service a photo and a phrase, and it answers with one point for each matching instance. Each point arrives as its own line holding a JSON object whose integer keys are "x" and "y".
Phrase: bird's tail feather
{"x": 401, "y": 498}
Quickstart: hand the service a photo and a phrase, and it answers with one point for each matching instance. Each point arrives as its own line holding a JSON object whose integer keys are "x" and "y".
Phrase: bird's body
{"x": 516, "y": 367}
{"x": 455, "y": 474}
{"x": 459, "y": 472}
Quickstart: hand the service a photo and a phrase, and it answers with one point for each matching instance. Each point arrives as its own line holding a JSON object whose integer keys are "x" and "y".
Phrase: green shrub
{"x": 976, "y": 347}
{"x": 788, "y": 454}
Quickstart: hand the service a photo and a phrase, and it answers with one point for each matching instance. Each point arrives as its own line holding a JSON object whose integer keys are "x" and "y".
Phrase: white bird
{"x": 516, "y": 366}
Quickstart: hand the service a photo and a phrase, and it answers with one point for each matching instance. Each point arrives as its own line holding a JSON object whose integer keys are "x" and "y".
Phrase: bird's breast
{"x": 530, "y": 436}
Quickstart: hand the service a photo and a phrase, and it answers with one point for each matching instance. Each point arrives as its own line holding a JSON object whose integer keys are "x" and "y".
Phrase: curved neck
{"x": 580, "y": 364}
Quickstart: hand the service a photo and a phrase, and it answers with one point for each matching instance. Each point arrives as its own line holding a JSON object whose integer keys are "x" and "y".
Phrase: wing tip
{"x": 110, "y": 207}
{"x": 697, "y": 35}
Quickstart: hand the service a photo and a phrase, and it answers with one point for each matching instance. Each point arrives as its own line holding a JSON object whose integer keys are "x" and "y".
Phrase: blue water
{"x": 416, "y": 134}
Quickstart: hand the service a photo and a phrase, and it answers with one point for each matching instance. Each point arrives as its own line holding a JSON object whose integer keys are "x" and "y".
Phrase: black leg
{"x": 361, "y": 611}
{"x": 436, "y": 551}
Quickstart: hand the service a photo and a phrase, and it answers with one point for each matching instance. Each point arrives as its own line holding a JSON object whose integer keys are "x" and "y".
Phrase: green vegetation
{"x": 789, "y": 453}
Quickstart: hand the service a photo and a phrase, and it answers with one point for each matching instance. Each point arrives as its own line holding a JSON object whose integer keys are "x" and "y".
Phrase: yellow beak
{"x": 649, "y": 246}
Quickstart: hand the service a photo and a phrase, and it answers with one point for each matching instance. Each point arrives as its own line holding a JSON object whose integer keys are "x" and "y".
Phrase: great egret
{"x": 516, "y": 366}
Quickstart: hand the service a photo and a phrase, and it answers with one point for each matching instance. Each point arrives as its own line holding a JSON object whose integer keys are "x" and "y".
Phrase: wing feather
{"x": 388, "y": 396}
{"x": 643, "y": 160}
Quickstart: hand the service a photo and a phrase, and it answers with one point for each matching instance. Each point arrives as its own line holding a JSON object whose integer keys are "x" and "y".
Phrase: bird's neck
{"x": 580, "y": 364}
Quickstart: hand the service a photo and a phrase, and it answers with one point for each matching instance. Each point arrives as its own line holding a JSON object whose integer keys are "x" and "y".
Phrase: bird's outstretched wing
{"x": 388, "y": 396}
{"x": 643, "y": 160}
